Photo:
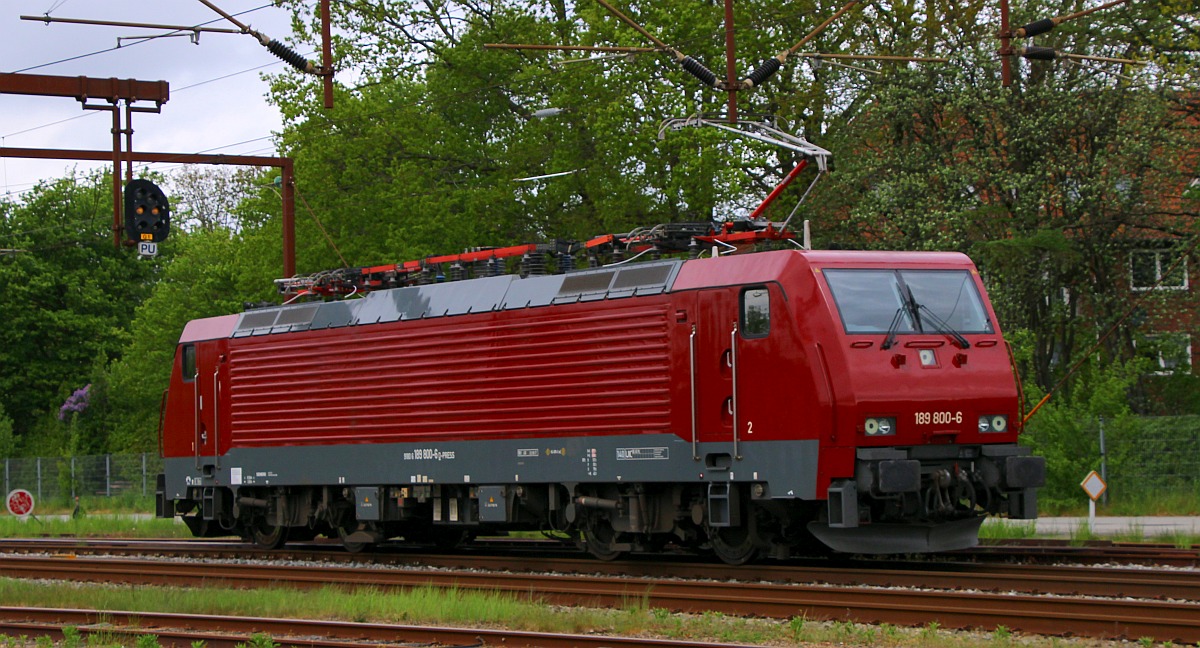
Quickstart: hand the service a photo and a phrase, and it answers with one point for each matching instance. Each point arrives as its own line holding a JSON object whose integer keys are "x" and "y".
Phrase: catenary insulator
{"x": 291, "y": 57}
{"x": 763, "y": 72}
{"x": 1034, "y": 28}
{"x": 566, "y": 262}
{"x": 457, "y": 272}
{"x": 697, "y": 69}
{"x": 1036, "y": 53}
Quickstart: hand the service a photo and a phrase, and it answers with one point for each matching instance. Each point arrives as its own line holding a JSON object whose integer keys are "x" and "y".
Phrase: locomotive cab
{"x": 932, "y": 409}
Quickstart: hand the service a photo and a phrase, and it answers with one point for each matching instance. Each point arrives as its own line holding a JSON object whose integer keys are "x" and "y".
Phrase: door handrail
{"x": 692, "y": 377}
{"x": 733, "y": 339}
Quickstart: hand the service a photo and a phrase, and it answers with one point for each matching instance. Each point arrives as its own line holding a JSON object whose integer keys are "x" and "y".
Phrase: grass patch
{"x": 129, "y": 502}
{"x": 1167, "y": 501}
{"x": 433, "y": 606}
{"x": 1181, "y": 540}
{"x": 115, "y": 526}
{"x": 1183, "y": 500}
{"x": 1082, "y": 534}
{"x": 1135, "y": 533}
{"x": 1004, "y": 529}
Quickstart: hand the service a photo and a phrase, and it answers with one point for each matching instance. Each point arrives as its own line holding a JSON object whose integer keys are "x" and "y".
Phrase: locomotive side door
{"x": 206, "y": 393}
{"x": 760, "y": 362}
{"x": 715, "y": 320}
{"x": 738, "y": 357}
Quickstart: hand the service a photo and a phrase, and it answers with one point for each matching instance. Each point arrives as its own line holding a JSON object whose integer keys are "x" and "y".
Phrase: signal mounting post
{"x": 113, "y": 91}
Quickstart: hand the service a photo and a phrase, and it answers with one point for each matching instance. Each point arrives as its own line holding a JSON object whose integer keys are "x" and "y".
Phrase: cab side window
{"x": 189, "y": 362}
{"x": 756, "y": 312}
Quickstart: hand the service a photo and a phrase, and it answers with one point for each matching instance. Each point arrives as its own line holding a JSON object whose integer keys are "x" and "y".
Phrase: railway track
{"x": 1021, "y": 551}
{"x": 1107, "y": 581}
{"x": 1063, "y": 600}
{"x": 231, "y": 632}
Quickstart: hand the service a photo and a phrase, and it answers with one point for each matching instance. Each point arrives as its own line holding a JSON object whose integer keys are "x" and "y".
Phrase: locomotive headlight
{"x": 994, "y": 423}
{"x": 879, "y": 426}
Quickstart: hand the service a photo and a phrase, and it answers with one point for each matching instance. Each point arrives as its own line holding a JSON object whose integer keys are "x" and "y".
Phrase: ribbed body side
{"x": 569, "y": 370}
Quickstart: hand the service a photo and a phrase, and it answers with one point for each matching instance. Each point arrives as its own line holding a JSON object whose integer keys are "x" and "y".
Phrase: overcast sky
{"x": 217, "y": 99}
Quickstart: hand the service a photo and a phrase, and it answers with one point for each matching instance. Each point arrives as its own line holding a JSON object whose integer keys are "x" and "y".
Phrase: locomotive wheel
{"x": 350, "y": 546}
{"x": 601, "y": 539}
{"x": 734, "y": 545}
{"x": 268, "y": 536}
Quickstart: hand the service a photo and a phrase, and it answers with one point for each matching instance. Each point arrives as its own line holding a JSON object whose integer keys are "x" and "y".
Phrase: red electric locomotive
{"x": 748, "y": 404}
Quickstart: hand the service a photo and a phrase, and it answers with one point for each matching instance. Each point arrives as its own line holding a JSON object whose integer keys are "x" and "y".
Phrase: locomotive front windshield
{"x": 907, "y": 301}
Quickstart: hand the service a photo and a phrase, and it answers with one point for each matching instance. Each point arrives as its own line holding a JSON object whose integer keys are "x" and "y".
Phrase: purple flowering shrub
{"x": 76, "y": 402}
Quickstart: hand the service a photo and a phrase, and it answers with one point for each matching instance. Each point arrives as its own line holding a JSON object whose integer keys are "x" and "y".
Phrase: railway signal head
{"x": 147, "y": 211}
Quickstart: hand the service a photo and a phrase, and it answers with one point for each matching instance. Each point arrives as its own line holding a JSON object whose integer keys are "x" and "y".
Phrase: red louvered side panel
{"x": 565, "y": 370}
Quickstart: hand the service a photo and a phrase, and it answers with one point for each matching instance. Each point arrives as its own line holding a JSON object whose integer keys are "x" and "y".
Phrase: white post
{"x": 1091, "y": 515}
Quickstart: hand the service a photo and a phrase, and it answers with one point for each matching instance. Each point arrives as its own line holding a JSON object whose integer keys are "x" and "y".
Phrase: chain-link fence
{"x": 1159, "y": 455}
{"x": 65, "y": 478}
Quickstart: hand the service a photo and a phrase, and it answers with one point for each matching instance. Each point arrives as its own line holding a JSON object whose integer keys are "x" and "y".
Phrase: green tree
{"x": 211, "y": 274}
{"x": 423, "y": 154}
{"x": 67, "y": 294}
{"x": 8, "y": 442}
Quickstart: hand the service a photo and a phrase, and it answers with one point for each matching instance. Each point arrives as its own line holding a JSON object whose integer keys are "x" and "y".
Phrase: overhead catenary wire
{"x": 112, "y": 49}
{"x": 309, "y": 137}
{"x": 471, "y": 91}
{"x": 287, "y": 54}
{"x": 1044, "y": 25}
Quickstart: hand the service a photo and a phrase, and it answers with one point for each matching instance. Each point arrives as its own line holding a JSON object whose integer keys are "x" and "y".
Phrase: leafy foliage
{"x": 8, "y": 442}
{"x": 68, "y": 294}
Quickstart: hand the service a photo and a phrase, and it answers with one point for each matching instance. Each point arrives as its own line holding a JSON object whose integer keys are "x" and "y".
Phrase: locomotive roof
{"x": 481, "y": 295}
{"x": 507, "y": 292}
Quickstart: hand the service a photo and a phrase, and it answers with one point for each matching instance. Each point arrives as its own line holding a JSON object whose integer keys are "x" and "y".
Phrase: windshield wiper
{"x": 908, "y": 304}
{"x": 893, "y": 329}
{"x": 942, "y": 327}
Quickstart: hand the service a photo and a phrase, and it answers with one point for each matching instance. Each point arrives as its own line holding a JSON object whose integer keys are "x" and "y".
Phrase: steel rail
{"x": 1104, "y": 618}
{"x": 1102, "y": 581}
{"x": 231, "y": 631}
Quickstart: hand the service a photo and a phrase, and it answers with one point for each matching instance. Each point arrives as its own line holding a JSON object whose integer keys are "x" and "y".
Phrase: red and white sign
{"x": 20, "y": 502}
